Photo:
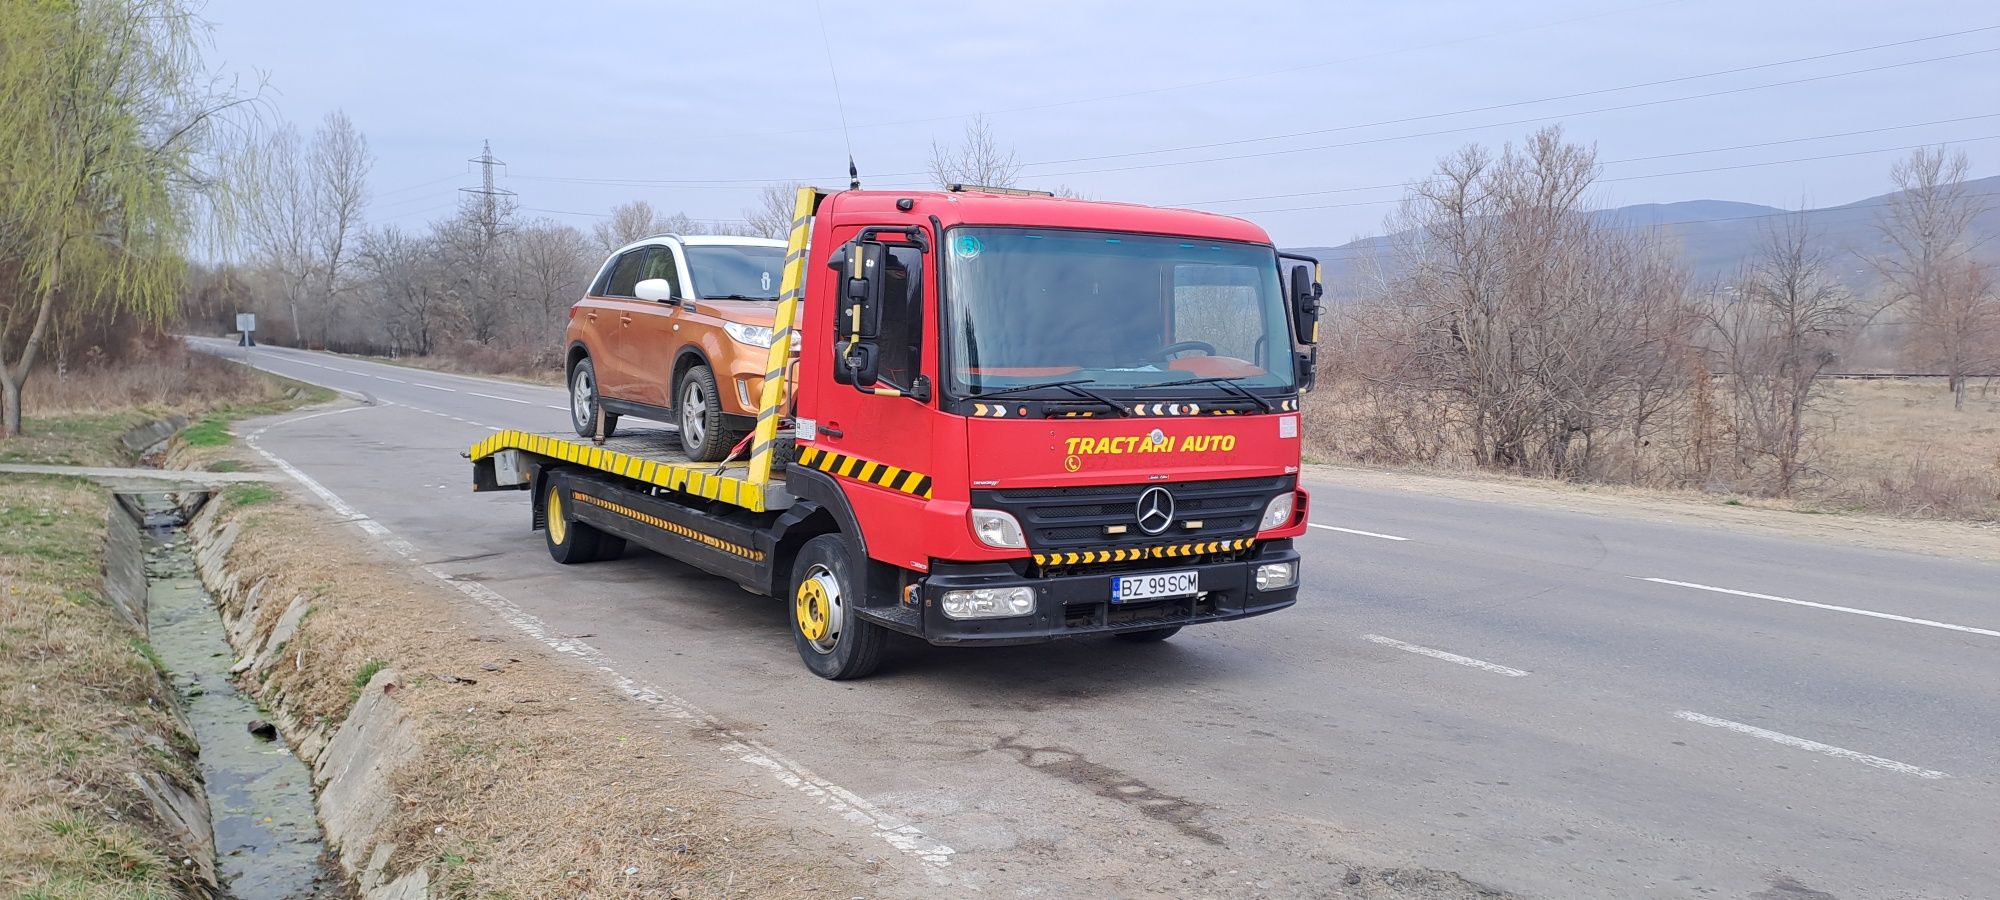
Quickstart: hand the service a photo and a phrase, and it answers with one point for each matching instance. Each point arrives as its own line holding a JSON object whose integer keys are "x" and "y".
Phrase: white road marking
{"x": 387, "y": 378}
{"x": 492, "y": 397}
{"x": 435, "y": 387}
{"x": 1814, "y": 746}
{"x": 1386, "y": 537}
{"x": 1846, "y": 609}
{"x": 1447, "y": 657}
{"x": 899, "y": 833}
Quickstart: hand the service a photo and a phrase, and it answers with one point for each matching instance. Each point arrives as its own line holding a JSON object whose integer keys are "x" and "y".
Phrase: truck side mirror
{"x": 1305, "y": 305}
{"x": 859, "y": 320}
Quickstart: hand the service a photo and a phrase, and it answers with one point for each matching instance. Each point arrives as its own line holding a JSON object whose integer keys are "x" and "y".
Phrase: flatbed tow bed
{"x": 1131, "y": 524}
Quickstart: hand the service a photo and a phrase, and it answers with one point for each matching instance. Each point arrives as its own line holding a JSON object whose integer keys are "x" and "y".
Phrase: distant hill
{"x": 1717, "y": 237}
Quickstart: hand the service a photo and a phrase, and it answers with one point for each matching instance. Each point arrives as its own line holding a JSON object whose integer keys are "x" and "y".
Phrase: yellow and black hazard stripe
{"x": 1128, "y": 554}
{"x": 749, "y": 553}
{"x": 916, "y": 484}
{"x": 684, "y": 477}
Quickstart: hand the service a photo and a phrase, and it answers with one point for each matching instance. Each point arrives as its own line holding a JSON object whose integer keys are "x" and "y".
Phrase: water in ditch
{"x": 268, "y": 845}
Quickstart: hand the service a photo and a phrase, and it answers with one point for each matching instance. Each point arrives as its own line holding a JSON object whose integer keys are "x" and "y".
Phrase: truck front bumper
{"x": 1076, "y": 605}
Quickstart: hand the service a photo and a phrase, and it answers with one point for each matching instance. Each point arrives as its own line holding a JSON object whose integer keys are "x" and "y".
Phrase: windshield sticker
{"x": 766, "y": 282}
{"x": 966, "y": 246}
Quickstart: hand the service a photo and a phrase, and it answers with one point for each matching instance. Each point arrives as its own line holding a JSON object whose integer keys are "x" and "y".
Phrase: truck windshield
{"x": 738, "y": 271}
{"x": 1127, "y": 311}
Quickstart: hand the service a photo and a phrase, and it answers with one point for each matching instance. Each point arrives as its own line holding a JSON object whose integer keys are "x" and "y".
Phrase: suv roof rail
{"x": 985, "y": 189}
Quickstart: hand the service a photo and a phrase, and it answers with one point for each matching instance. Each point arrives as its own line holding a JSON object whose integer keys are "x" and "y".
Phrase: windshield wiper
{"x": 1225, "y": 382}
{"x": 1074, "y": 386}
{"x": 737, "y": 297}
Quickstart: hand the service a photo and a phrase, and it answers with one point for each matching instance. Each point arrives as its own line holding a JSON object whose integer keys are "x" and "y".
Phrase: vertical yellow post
{"x": 784, "y": 329}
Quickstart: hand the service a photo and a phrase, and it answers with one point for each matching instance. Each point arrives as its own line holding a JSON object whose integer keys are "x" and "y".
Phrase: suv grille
{"x": 1077, "y": 518}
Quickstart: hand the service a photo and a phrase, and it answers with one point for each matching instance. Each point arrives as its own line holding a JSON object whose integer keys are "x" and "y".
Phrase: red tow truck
{"x": 988, "y": 416}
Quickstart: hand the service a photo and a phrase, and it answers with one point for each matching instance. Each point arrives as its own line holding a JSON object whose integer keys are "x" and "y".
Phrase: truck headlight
{"x": 988, "y": 603}
{"x": 754, "y": 335}
{"x": 1277, "y": 576}
{"x": 1277, "y": 512}
{"x": 998, "y": 529}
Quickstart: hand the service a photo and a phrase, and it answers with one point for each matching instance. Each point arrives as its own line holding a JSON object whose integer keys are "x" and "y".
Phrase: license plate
{"x": 1126, "y": 588}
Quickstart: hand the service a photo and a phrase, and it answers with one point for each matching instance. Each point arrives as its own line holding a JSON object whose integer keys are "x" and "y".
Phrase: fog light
{"x": 1277, "y": 576}
{"x": 1277, "y": 512}
{"x": 998, "y": 529}
{"x": 988, "y": 603}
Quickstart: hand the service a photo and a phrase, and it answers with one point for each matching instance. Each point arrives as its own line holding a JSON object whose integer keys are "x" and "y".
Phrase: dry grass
{"x": 75, "y": 417}
{"x": 536, "y": 779}
{"x": 1890, "y": 447}
{"x": 81, "y": 708}
{"x": 533, "y": 365}
{"x": 1899, "y": 447}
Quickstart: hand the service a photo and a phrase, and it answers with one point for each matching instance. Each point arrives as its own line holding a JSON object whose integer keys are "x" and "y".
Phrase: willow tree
{"x": 101, "y": 139}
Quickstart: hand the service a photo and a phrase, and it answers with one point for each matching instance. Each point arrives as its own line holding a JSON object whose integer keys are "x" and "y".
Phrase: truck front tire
{"x": 834, "y": 642}
{"x": 570, "y": 541}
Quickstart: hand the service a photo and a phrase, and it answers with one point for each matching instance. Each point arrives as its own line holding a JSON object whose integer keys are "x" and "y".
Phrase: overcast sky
{"x": 573, "y": 95}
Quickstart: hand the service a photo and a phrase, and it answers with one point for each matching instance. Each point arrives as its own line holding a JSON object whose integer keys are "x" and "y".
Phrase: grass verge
{"x": 535, "y": 778}
{"x": 83, "y": 706}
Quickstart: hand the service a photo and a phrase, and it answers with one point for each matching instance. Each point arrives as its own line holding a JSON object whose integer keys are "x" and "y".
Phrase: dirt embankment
{"x": 100, "y": 793}
{"x": 456, "y": 757}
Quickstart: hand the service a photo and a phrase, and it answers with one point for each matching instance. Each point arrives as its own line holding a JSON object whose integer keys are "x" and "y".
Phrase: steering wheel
{"x": 1205, "y": 347}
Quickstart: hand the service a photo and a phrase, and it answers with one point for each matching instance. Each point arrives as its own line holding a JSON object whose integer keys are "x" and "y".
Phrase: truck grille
{"x": 1079, "y": 518}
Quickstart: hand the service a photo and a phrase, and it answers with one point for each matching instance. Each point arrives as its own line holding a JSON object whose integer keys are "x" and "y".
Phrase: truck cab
{"x": 1067, "y": 417}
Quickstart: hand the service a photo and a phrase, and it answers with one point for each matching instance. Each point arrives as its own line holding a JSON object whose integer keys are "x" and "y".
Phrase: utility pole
{"x": 488, "y": 194}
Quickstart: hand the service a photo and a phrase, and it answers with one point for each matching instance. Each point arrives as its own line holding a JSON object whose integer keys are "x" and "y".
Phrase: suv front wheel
{"x": 704, "y": 435}
{"x": 583, "y": 401}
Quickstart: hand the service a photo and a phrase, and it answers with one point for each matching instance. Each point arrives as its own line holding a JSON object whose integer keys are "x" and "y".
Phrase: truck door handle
{"x": 830, "y": 431}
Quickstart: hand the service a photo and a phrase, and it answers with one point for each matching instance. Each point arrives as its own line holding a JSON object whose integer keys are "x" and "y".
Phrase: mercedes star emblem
{"x": 1156, "y": 510}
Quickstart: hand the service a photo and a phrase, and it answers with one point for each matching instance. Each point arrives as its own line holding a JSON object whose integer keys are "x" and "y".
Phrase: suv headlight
{"x": 998, "y": 529}
{"x": 1277, "y": 512}
{"x": 754, "y": 335}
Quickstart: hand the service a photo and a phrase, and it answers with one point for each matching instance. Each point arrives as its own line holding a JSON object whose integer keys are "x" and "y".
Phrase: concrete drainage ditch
{"x": 259, "y": 796}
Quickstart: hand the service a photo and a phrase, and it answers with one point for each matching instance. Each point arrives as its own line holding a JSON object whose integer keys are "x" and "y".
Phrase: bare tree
{"x": 977, "y": 159}
{"x": 1780, "y": 333}
{"x": 629, "y": 222}
{"x": 337, "y": 166}
{"x": 280, "y": 222}
{"x": 1536, "y": 330}
{"x": 551, "y": 262}
{"x": 404, "y": 279}
{"x": 1931, "y": 267}
{"x": 772, "y": 216}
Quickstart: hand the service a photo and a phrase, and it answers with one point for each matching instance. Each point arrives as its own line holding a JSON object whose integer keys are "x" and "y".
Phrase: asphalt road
{"x": 1550, "y": 703}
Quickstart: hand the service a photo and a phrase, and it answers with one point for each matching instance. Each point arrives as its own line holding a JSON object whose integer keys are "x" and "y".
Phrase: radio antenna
{"x": 853, "y": 174}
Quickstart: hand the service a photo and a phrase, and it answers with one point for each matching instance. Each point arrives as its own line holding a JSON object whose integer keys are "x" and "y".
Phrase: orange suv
{"x": 675, "y": 329}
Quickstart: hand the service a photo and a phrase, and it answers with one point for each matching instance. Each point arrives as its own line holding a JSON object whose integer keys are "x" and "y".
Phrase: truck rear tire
{"x": 834, "y": 642}
{"x": 570, "y": 541}
{"x": 704, "y": 434}
{"x": 1149, "y": 636}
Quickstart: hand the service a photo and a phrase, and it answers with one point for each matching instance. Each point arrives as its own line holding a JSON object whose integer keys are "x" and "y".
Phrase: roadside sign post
{"x": 247, "y": 324}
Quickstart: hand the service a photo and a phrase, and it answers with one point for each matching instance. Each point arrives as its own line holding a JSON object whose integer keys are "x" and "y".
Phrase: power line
{"x": 421, "y": 185}
{"x": 1610, "y": 162}
{"x": 1527, "y": 121}
{"x": 1055, "y": 104}
{"x": 1518, "y": 103}
{"x": 1744, "y": 218}
{"x": 1777, "y": 162}
{"x": 692, "y": 183}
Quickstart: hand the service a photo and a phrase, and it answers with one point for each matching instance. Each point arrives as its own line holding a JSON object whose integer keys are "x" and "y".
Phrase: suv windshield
{"x": 1126, "y": 311}
{"x": 749, "y": 271}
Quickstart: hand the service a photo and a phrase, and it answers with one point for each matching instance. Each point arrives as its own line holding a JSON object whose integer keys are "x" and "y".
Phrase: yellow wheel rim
{"x": 811, "y": 610}
{"x": 558, "y": 526}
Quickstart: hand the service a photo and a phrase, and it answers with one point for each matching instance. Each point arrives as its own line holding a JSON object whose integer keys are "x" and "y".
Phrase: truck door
{"x": 875, "y": 428}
